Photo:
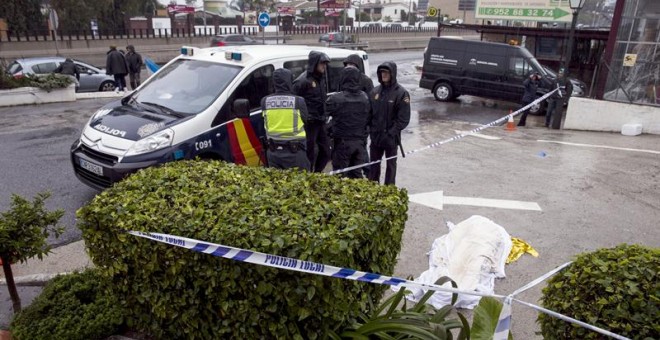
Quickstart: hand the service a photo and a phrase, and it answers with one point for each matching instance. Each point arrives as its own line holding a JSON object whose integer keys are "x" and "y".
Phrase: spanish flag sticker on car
{"x": 244, "y": 145}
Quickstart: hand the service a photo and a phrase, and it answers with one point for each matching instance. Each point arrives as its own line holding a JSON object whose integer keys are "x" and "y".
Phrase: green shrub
{"x": 46, "y": 82}
{"x": 70, "y": 307}
{"x": 617, "y": 289}
{"x": 175, "y": 293}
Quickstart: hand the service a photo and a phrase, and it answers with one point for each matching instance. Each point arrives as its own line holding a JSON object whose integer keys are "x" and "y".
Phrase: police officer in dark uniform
{"x": 311, "y": 85}
{"x": 284, "y": 114}
{"x": 350, "y": 110}
{"x": 531, "y": 85}
{"x": 390, "y": 105}
{"x": 354, "y": 60}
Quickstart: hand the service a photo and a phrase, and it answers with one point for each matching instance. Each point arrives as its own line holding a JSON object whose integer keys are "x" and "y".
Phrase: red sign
{"x": 335, "y": 4}
{"x": 180, "y": 9}
{"x": 286, "y": 10}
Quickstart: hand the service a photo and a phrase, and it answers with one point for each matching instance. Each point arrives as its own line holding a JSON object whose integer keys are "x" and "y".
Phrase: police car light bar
{"x": 187, "y": 50}
{"x": 233, "y": 56}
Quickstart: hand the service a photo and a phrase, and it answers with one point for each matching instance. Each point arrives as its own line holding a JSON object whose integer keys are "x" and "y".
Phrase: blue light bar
{"x": 186, "y": 50}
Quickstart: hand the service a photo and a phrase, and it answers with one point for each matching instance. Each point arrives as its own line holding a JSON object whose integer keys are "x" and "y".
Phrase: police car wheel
{"x": 443, "y": 92}
{"x": 107, "y": 86}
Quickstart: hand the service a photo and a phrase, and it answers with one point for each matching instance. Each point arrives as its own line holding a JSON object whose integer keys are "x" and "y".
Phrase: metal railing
{"x": 73, "y": 35}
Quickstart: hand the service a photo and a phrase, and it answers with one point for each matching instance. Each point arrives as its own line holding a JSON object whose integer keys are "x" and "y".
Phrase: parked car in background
{"x": 373, "y": 25}
{"x": 335, "y": 38}
{"x": 579, "y": 87}
{"x": 232, "y": 40}
{"x": 92, "y": 79}
{"x": 395, "y": 27}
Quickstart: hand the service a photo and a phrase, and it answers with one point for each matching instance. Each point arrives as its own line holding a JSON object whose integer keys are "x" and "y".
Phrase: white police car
{"x": 204, "y": 103}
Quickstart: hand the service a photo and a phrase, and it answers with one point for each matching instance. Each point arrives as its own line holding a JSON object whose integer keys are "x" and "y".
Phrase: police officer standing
{"x": 284, "y": 114}
{"x": 311, "y": 85}
{"x": 390, "y": 104}
{"x": 350, "y": 110}
{"x": 531, "y": 84}
{"x": 354, "y": 60}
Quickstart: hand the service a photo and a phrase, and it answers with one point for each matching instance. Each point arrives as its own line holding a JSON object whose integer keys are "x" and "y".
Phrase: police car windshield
{"x": 187, "y": 86}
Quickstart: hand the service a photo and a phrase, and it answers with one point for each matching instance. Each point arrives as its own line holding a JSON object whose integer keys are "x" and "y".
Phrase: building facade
{"x": 635, "y": 65}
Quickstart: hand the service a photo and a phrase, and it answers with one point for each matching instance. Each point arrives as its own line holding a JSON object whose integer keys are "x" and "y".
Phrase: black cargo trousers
{"x": 347, "y": 153}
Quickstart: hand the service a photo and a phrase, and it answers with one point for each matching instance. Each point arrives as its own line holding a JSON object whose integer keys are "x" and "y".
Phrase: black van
{"x": 453, "y": 66}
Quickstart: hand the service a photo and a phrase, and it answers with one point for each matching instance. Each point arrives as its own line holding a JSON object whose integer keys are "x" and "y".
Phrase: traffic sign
{"x": 533, "y": 13}
{"x": 432, "y": 12}
{"x": 523, "y": 10}
{"x": 264, "y": 19}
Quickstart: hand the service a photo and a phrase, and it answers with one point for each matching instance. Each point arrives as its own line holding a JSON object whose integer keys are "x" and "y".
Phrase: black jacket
{"x": 350, "y": 109}
{"x": 282, "y": 80}
{"x": 390, "y": 107}
{"x": 366, "y": 84}
{"x": 566, "y": 88}
{"x": 115, "y": 63}
{"x": 134, "y": 61}
{"x": 68, "y": 67}
{"x": 530, "y": 90}
{"x": 311, "y": 86}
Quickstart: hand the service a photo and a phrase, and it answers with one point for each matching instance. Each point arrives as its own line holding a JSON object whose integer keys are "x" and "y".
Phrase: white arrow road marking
{"x": 459, "y": 132}
{"x": 437, "y": 200}
{"x": 600, "y": 146}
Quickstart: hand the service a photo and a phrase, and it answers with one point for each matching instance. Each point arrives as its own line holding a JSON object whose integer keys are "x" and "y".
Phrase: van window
{"x": 334, "y": 68}
{"x": 255, "y": 86}
{"x": 297, "y": 67}
{"x": 187, "y": 86}
{"x": 519, "y": 66}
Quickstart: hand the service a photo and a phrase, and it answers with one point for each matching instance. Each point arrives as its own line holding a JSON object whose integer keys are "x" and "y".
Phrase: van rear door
{"x": 443, "y": 62}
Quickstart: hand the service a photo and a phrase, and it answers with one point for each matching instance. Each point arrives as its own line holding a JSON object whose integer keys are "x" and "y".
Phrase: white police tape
{"x": 448, "y": 140}
{"x": 282, "y": 262}
{"x": 288, "y": 263}
{"x": 504, "y": 321}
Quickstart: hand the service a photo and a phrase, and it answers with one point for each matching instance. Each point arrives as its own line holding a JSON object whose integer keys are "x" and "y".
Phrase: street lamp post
{"x": 576, "y": 6}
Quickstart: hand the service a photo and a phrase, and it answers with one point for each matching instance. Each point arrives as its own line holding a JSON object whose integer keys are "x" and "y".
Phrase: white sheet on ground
{"x": 473, "y": 254}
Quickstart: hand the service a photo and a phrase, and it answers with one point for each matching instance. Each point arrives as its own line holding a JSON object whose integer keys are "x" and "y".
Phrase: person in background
{"x": 115, "y": 65}
{"x": 311, "y": 85}
{"x": 69, "y": 68}
{"x": 134, "y": 61}
{"x": 390, "y": 105}
{"x": 350, "y": 110}
{"x": 556, "y": 103}
{"x": 366, "y": 85}
{"x": 284, "y": 115}
{"x": 354, "y": 60}
{"x": 531, "y": 84}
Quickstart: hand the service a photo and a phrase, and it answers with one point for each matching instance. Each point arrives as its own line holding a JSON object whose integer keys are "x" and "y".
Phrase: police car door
{"x": 238, "y": 140}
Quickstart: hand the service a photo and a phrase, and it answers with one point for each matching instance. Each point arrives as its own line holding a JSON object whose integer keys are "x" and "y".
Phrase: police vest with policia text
{"x": 282, "y": 119}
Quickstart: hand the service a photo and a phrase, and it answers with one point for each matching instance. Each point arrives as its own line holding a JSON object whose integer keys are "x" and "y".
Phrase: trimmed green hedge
{"x": 175, "y": 293}
{"x": 46, "y": 82}
{"x": 72, "y": 307}
{"x": 616, "y": 289}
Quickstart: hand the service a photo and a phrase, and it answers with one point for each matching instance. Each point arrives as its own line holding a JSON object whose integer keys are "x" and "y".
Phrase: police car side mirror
{"x": 241, "y": 108}
{"x": 90, "y": 72}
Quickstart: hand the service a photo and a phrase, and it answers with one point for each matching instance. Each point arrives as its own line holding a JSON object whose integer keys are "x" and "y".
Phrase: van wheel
{"x": 538, "y": 109}
{"x": 443, "y": 92}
